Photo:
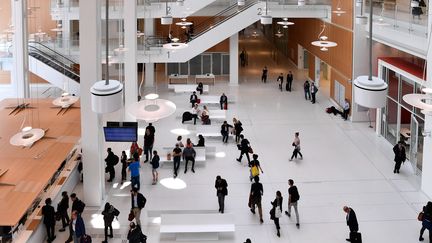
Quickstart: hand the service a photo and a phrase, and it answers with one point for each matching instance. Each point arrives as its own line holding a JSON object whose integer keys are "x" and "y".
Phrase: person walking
{"x": 123, "y": 160}
{"x": 238, "y": 129}
{"x": 148, "y": 144}
{"x": 109, "y": 213}
{"x": 135, "y": 234}
{"x": 177, "y": 155}
{"x": 290, "y": 79}
{"x": 155, "y": 166}
{"x": 189, "y": 155}
{"x": 62, "y": 208}
{"x": 400, "y": 156}
{"x": 426, "y": 220}
{"x": 352, "y": 223}
{"x": 255, "y": 167}
{"x": 255, "y": 196}
{"x": 193, "y": 99}
{"x": 293, "y": 197}
{"x": 346, "y": 109}
{"x": 223, "y": 101}
{"x": 313, "y": 90}
{"x": 138, "y": 202}
{"x": 134, "y": 169}
{"x": 49, "y": 221}
{"x": 264, "y": 75}
{"x": 225, "y": 129}
{"x": 111, "y": 160}
{"x": 78, "y": 227}
{"x": 221, "y": 191}
{"x": 306, "y": 88}
{"x": 296, "y": 145}
{"x": 280, "y": 80}
{"x": 276, "y": 211}
{"x": 244, "y": 148}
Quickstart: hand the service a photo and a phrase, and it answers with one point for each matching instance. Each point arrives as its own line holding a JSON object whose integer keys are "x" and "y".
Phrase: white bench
{"x": 210, "y": 131}
{"x": 158, "y": 212}
{"x": 199, "y": 157}
{"x": 213, "y": 99}
{"x": 197, "y": 227}
{"x": 213, "y": 114}
{"x": 187, "y": 88}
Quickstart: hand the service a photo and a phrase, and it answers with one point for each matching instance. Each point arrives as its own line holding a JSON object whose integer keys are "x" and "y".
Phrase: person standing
{"x": 189, "y": 155}
{"x": 148, "y": 144}
{"x": 313, "y": 90}
{"x": 77, "y": 204}
{"x": 62, "y": 208}
{"x": 108, "y": 217}
{"x": 290, "y": 79}
{"x": 293, "y": 197}
{"x": 134, "y": 169}
{"x": 123, "y": 160}
{"x": 193, "y": 99}
{"x": 111, "y": 160}
{"x": 276, "y": 211}
{"x": 244, "y": 148}
{"x": 255, "y": 167}
{"x": 238, "y": 129}
{"x": 280, "y": 80}
{"x": 426, "y": 221}
{"x": 352, "y": 223}
{"x": 221, "y": 191}
{"x": 225, "y": 129}
{"x": 400, "y": 156}
{"x": 223, "y": 101}
{"x": 306, "y": 88}
{"x": 256, "y": 193}
{"x": 155, "y": 166}
{"x": 135, "y": 234}
{"x": 138, "y": 202}
{"x": 243, "y": 58}
{"x": 151, "y": 128}
{"x": 346, "y": 109}
{"x": 177, "y": 155}
{"x": 264, "y": 75}
{"x": 49, "y": 221}
{"x": 296, "y": 145}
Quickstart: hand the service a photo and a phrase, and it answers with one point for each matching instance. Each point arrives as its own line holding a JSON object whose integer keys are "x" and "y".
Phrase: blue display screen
{"x": 121, "y": 134}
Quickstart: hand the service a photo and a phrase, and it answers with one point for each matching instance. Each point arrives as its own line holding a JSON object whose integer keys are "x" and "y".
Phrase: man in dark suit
{"x": 193, "y": 99}
{"x": 62, "y": 209}
{"x": 138, "y": 202}
{"x": 290, "y": 78}
{"x": 351, "y": 220}
{"x": 225, "y": 131}
{"x": 77, "y": 204}
{"x": 49, "y": 221}
{"x": 400, "y": 156}
{"x": 221, "y": 191}
{"x": 244, "y": 147}
{"x": 223, "y": 102}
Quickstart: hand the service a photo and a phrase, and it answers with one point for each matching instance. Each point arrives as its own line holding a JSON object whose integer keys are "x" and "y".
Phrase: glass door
{"x": 413, "y": 142}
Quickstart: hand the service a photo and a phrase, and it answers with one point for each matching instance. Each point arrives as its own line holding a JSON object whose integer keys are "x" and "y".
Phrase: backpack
{"x": 81, "y": 207}
{"x": 116, "y": 159}
{"x": 86, "y": 239}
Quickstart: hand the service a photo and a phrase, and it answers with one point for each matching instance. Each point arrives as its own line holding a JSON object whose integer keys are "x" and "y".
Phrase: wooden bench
{"x": 197, "y": 227}
{"x": 187, "y": 88}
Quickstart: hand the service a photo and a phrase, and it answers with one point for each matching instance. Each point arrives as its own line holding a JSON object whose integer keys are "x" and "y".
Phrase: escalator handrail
{"x": 50, "y": 49}
{"x": 57, "y": 62}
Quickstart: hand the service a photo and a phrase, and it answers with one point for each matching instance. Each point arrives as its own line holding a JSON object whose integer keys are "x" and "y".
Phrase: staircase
{"x": 54, "y": 67}
{"x": 223, "y": 25}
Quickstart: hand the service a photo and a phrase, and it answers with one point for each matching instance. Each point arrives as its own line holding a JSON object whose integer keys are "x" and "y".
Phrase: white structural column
{"x": 91, "y": 125}
{"x": 234, "y": 63}
{"x": 149, "y": 30}
{"x": 20, "y": 80}
{"x": 130, "y": 63}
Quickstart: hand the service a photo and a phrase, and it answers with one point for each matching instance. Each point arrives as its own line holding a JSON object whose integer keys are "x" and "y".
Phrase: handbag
{"x": 250, "y": 150}
{"x": 198, "y": 101}
{"x": 254, "y": 171}
{"x": 131, "y": 215}
{"x": 420, "y": 216}
{"x": 140, "y": 150}
{"x": 278, "y": 212}
{"x": 250, "y": 200}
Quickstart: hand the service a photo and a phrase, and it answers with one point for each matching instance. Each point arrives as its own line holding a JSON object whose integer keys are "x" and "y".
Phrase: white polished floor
{"x": 344, "y": 164}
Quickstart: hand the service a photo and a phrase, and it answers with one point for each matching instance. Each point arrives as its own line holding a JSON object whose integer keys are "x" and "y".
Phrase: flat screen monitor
{"x": 121, "y": 134}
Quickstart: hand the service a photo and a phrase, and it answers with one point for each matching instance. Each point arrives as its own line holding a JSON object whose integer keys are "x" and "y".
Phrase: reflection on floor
{"x": 344, "y": 164}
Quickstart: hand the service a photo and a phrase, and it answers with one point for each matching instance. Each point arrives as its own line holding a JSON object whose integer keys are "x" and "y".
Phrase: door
{"x": 414, "y": 138}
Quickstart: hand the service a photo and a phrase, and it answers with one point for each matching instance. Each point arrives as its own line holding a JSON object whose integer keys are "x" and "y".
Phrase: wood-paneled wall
{"x": 335, "y": 75}
{"x": 311, "y": 62}
{"x": 346, "y": 19}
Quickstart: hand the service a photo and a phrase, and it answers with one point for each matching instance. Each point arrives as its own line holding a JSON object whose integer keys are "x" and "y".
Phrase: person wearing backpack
{"x": 138, "y": 202}
{"x": 111, "y": 160}
{"x": 293, "y": 197}
{"x": 135, "y": 234}
{"x": 109, "y": 213}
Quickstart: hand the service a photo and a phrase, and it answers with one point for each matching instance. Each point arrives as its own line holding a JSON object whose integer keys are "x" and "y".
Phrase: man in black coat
{"x": 225, "y": 131}
{"x": 193, "y": 99}
{"x": 49, "y": 221}
{"x": 290, "y": 79}
{"x": 280, "y": 80}
{"x": 351, "y": 220}
{"x": 244, "y": 147}
{"x": 138, "y": 202}
{"x": 62, "y": 208}
{"x": 223, "y": 101}
{"x": 400, "y": 156}
{"x": 77, "y": 204}
{"x": 221, "y": 191}
{"x": 110, "y": 161}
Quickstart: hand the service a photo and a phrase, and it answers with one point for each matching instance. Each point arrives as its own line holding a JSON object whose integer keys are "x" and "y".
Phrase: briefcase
{"x": 355, "y": 237}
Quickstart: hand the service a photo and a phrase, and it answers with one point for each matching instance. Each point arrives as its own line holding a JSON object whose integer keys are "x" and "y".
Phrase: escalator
{"x": 54, "y": 67}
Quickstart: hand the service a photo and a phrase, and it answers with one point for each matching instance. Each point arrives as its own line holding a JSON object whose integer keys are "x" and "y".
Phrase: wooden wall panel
{"x": 40, "y": 18}
{"x": 5, "y": 77}
{"x": 311, "y": 70}
{"x": 5, "y": 15}
{"x": 346, "y": 19}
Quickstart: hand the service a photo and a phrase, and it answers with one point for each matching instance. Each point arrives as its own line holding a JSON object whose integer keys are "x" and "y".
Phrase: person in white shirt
{"x": 195, "y": 113}
{"x": 346, "y": 109}
{"x": 296, "y": 144}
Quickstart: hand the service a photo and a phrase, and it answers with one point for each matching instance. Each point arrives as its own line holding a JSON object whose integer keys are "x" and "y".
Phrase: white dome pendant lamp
{"x": 107, "y": 95}
{"x": 369, "y": 91}
{"x": 266, "y": 19}
{"x": 167, "y": 19}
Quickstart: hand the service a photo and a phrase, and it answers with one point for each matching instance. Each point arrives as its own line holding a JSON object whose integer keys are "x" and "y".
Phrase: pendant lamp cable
{"x": 106, "y": 43}
{"x": 370, "y": 39}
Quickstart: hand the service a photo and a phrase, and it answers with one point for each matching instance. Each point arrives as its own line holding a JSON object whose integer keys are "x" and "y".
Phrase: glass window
{"x": 392, "y": 113}
{"x": 407, "y": 87}
{"x": 393, "y": 84}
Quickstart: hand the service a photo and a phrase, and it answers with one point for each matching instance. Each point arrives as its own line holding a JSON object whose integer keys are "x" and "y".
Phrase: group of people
{"x": 310, "y": 91}
{"x": 185, "y": 152}
{"x": 280, "y": 80}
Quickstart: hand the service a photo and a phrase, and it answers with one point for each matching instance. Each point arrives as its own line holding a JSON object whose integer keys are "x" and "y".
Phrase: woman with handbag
{"x": 426, "y": 218}
{"x": 255, "y": 167}
{"x": 276, "y": 211}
